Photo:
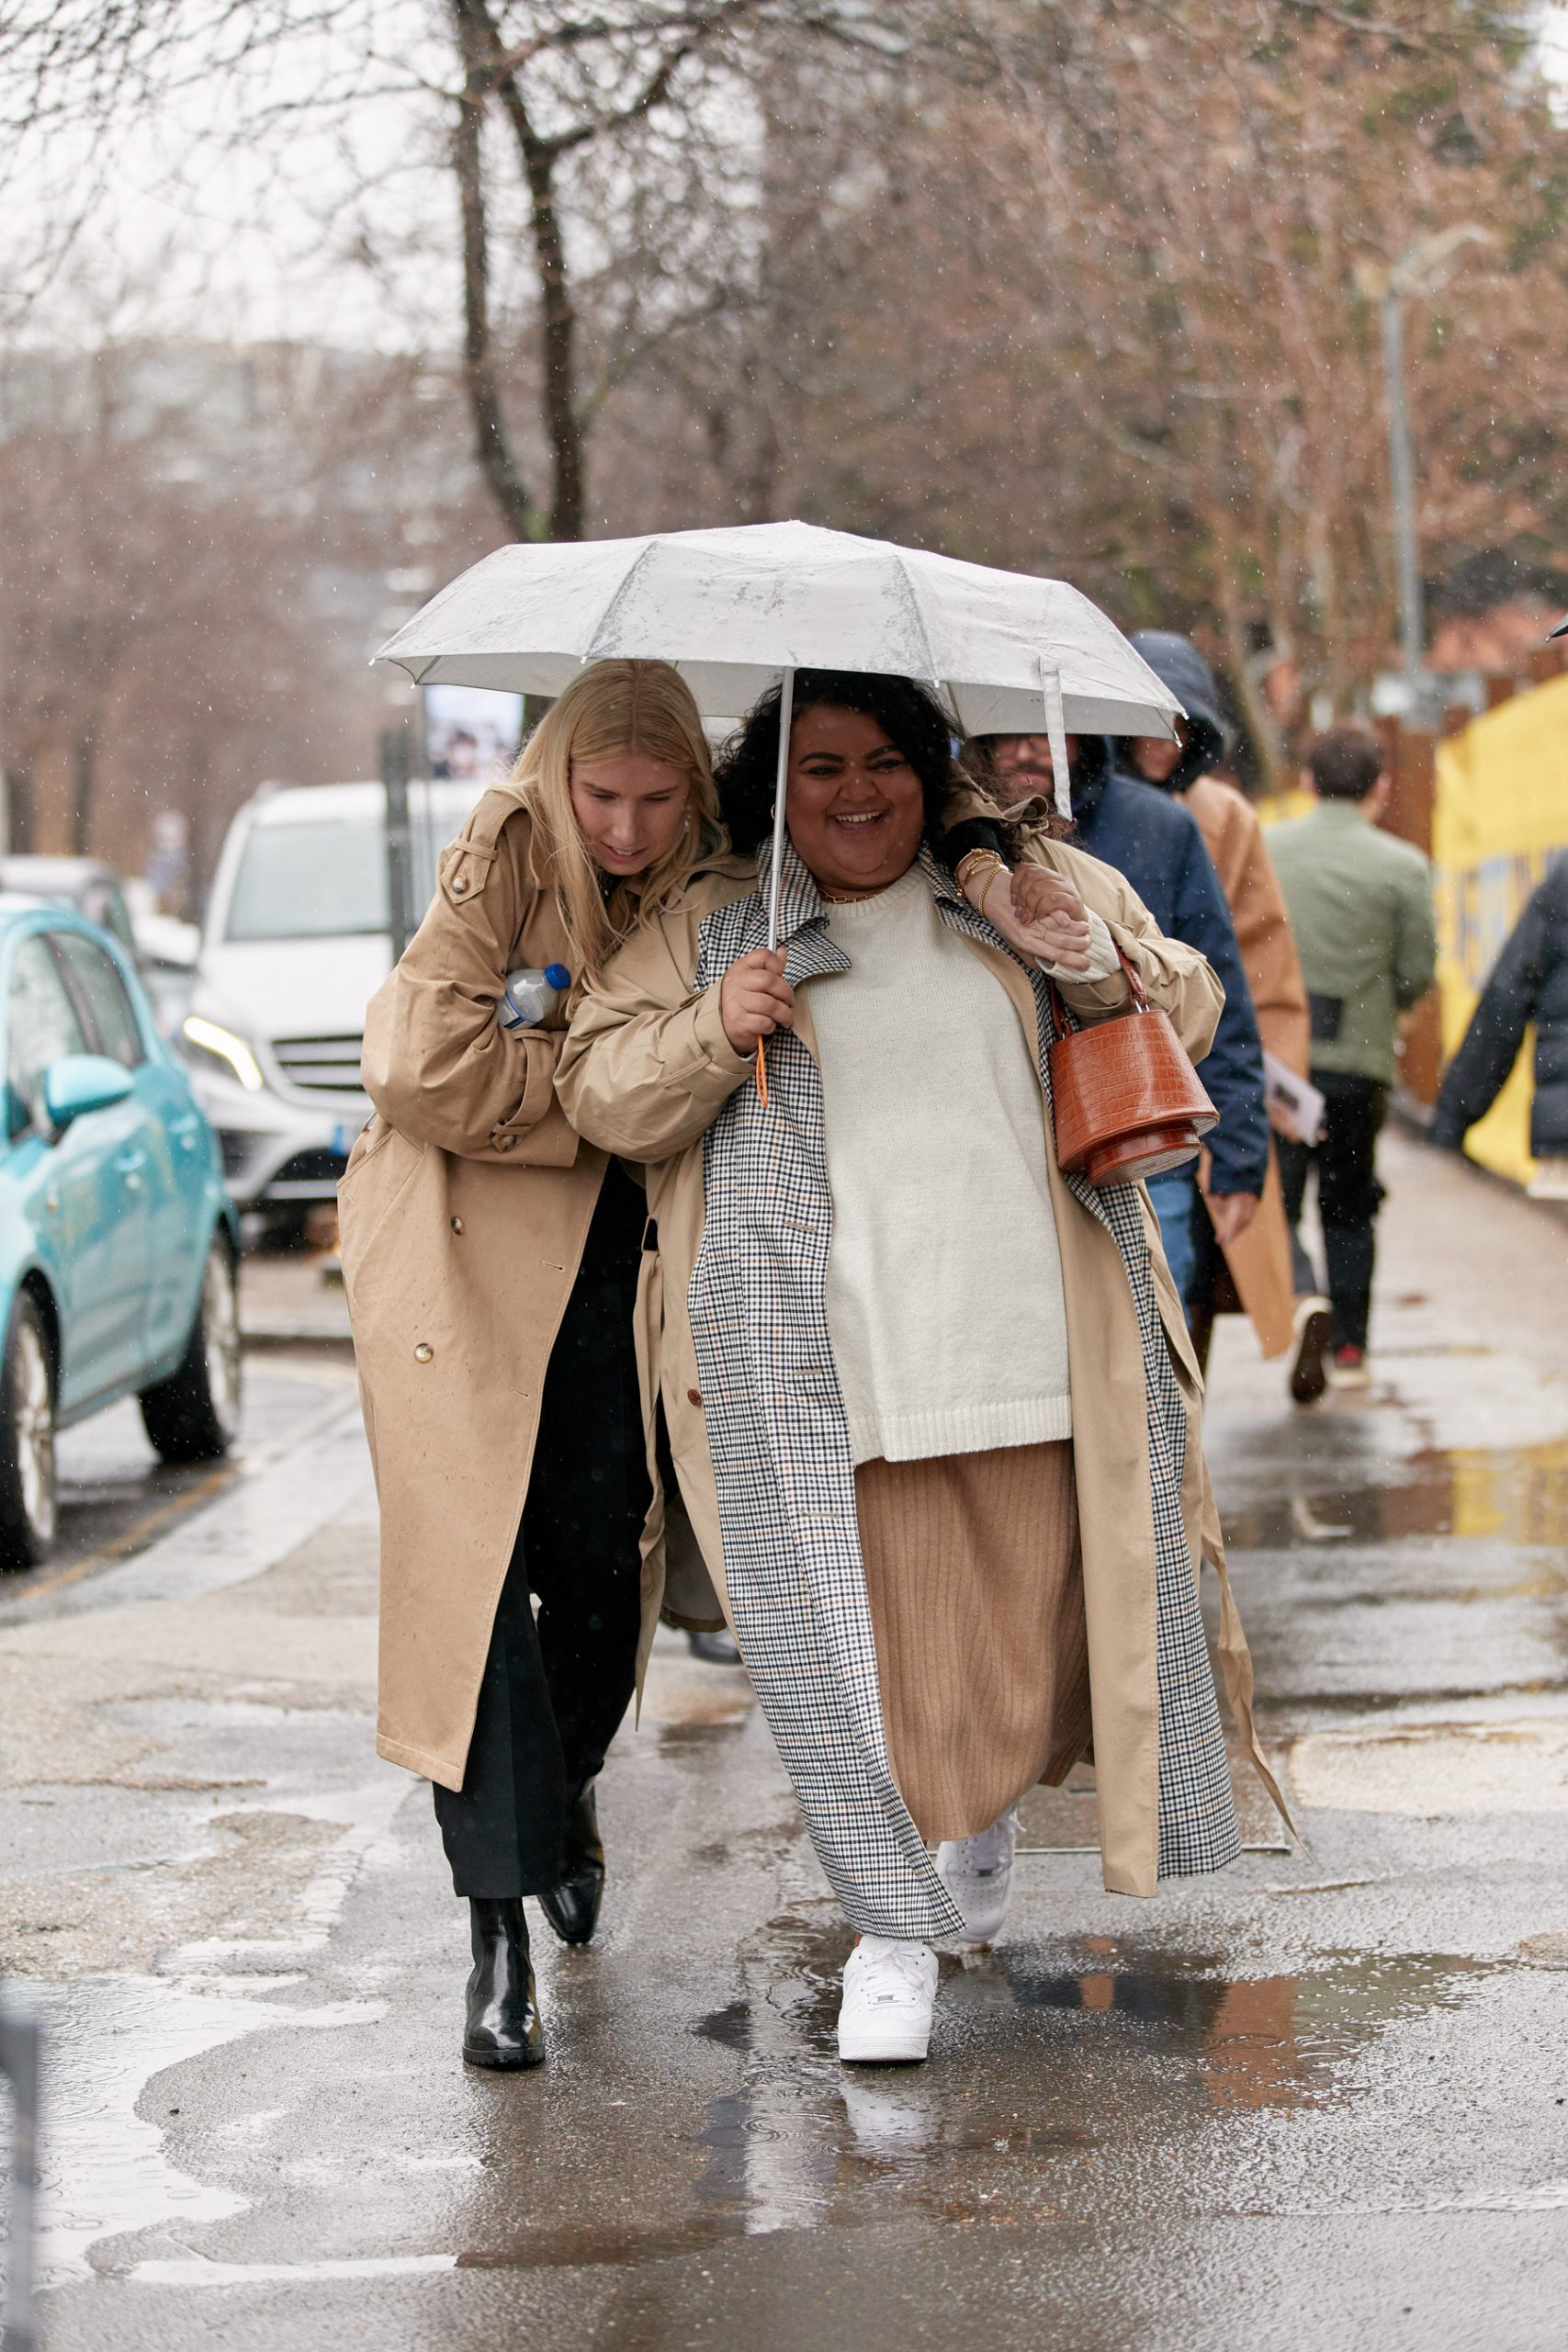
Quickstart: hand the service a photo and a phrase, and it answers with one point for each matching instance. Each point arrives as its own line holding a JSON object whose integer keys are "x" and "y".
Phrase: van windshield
{"x": 325, "y": 879}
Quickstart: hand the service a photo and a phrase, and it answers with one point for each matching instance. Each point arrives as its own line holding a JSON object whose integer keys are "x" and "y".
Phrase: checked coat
{"x": 742, "y": 1199}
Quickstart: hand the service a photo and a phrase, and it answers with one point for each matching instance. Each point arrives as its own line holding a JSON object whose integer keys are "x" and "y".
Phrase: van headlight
{"x": 209, "y": 1038}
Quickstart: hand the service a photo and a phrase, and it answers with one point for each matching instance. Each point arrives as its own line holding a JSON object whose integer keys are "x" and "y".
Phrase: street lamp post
{"x": 1420, "y": 269}
{"x": 1401, "y": 481}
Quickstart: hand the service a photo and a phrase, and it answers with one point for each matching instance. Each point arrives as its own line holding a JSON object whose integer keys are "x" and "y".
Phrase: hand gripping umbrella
{"x": 740, "y": 610}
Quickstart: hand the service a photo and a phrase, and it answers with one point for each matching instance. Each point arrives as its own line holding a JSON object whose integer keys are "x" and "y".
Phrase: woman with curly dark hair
{"x": 948, "y": 1397}
{"x": 960, "y": 793}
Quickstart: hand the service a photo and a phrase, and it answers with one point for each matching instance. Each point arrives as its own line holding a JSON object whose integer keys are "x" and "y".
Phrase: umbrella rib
{"x": 590, "y": 652}
{"x": 929, "y": 669}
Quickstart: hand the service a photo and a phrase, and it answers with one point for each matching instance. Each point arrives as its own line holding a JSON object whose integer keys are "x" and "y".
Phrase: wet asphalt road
{"x": 1319, "y": 2102}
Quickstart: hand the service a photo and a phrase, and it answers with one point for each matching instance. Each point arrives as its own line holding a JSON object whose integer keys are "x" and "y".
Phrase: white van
{"x": 294, "y": 946}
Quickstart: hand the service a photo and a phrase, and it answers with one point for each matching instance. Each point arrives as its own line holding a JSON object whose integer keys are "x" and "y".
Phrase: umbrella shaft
{"x": 775, "y": 881}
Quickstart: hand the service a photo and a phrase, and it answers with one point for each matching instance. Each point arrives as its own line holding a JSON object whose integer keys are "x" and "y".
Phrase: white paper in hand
{"x": 1295, "y": 1106}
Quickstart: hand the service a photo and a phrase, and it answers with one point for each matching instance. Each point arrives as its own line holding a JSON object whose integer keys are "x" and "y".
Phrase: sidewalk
{"x": 1317, "y": 2102}
{"x": 284, "y": 1302}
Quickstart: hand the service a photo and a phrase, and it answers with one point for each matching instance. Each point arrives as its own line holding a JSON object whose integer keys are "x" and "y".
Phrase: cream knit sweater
{"x": 944, "y": 1283}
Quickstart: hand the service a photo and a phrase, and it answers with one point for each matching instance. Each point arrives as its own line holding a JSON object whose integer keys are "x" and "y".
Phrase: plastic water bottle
{"x": 531, "y": 997}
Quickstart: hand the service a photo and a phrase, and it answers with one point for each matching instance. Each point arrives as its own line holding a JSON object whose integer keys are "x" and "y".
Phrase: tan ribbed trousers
{"x": 975, "y": 1576}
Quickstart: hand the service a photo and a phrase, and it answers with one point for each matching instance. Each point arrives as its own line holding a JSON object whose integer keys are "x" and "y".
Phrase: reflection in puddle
{"x": 1025, "y": 2049}
{"x": 1517, "y": 1493}
{"x": 1261, "y": 2042}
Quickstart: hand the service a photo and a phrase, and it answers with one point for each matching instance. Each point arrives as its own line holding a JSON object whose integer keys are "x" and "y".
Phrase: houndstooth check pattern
{"x": 785, "y": 1477}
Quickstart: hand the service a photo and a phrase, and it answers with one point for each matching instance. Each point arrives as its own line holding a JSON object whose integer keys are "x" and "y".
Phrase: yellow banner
{"x": 1501, "y": 812}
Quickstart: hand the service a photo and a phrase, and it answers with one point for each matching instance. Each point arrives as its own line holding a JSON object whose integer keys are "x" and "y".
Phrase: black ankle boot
{"x": 502, "y": 2028}
{"x": 572, "y": 1907}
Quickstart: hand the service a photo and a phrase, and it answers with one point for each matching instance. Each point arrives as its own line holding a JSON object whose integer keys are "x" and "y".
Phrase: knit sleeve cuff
{"x": 1103, "y": 961}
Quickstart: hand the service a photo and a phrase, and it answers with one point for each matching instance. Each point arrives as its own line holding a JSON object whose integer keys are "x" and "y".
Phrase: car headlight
{"x": 208, "y": 1037}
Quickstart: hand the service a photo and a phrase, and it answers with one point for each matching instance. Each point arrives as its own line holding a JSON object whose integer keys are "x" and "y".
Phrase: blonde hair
{"x": 610, "y": 708}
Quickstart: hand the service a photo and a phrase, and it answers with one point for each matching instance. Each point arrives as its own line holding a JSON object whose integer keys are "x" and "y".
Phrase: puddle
{"x": 104, "y": 2169}
{"x": 1149, "y": 2042}
{"x": 104, "y": 2172}
{"x": 1517, "y": 1493}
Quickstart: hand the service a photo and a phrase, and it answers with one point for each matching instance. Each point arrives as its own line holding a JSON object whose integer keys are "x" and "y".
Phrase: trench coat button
{"x": 459, "y": 884}
{"x": 693, "y": 1396}
{"x": 457, "y": 1224}
{"x": 506, "y": 1143}
{"x": 424, "y": 1352}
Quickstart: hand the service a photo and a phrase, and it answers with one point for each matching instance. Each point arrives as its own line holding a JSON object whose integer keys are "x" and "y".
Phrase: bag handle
{"x": 1135, "y": 987}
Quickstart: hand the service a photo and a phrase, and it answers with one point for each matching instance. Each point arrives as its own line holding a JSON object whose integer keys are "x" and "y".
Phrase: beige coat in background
{"x": 464, "y": 1210}
{"x": 646, "y": 1067}
{"x": 1260, "y": 1261}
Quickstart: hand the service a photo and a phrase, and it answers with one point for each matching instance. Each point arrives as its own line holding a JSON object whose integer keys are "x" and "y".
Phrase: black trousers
{"x": 556, "y": 1686}
{"x": 1348, "y": 1197}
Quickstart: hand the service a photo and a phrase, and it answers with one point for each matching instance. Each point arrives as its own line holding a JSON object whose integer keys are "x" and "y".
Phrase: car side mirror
{"x": 78, "y": 1083}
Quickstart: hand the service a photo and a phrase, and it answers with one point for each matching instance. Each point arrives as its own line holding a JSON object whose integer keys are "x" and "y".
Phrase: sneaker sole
{"x": 878, "y": 2050}
{"x": 1308, "y": 1376}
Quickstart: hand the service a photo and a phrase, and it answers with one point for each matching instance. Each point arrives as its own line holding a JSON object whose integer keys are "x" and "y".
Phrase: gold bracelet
{"x": 976, "y": 861}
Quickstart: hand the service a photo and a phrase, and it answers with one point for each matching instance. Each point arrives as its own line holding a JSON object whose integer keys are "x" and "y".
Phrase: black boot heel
{"x": 502, "y": 2028}
{"x": 572, "y": 1907}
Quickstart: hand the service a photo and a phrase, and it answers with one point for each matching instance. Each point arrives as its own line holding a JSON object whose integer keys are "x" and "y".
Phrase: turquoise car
{"x": 118, "y": 1241}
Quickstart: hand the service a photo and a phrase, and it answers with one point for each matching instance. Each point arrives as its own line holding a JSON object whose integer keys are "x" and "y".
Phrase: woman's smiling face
{"x": 855, "y": 807}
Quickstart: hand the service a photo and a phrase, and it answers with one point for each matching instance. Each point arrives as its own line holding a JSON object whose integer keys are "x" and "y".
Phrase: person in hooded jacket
{"x": 1154, "y": 843}
{"x": 1528, "y": 982}
{"x": 1254, "y": 1272}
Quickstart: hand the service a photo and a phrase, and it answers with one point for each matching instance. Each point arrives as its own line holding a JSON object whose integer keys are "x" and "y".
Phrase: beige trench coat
{"x": 645, "y": 1070}
{"x": 1260, "y": 1261}
{"x": 464, "y": 1210}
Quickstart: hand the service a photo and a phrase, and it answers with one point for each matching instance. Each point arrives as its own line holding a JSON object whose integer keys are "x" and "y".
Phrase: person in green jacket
{"x": 1360, "y": 906}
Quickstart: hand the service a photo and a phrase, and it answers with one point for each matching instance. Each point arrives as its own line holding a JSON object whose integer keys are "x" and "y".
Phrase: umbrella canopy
{"x": 740, "y": 610}
{"x": 734, "y": 609}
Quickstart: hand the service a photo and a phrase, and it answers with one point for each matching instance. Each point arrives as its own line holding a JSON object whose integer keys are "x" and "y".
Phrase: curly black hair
{"x": 746, "y": 772}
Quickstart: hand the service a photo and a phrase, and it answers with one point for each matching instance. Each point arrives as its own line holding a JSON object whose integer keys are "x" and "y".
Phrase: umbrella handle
{"x": 762, "y": 1074}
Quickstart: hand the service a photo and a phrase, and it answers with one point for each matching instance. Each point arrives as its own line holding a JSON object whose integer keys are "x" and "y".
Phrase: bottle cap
{"x": 558, "y": 975}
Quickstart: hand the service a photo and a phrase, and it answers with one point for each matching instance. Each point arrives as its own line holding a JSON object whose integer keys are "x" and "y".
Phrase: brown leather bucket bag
{"x": 1127, "y": 1101}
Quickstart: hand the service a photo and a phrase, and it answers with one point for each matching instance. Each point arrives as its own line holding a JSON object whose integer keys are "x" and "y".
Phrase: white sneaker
{"x": 978, "y": 1873}
{"x": 889, "y": 1996}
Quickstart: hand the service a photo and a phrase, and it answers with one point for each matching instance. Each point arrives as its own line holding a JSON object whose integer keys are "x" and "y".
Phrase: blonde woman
{"x": 492, "y": 1263}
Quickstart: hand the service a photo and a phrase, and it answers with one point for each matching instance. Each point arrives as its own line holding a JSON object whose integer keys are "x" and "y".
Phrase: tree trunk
{"x": 492, "y": 447}
{"x": 561, "y": 421}
{"x": 488, "y": 68}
